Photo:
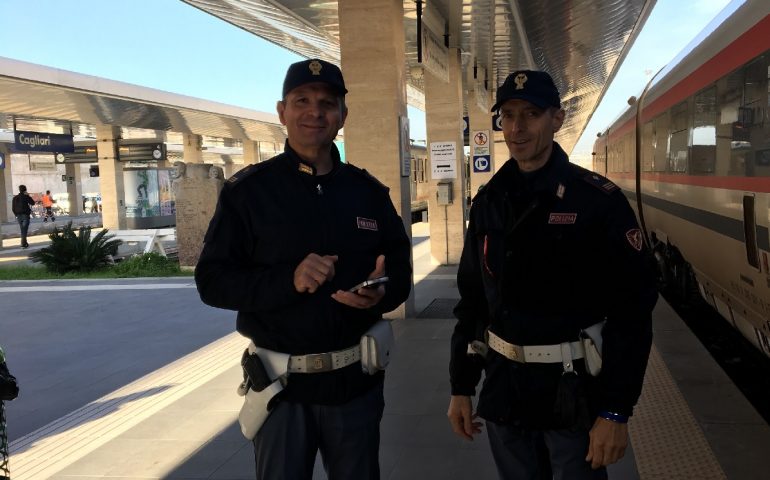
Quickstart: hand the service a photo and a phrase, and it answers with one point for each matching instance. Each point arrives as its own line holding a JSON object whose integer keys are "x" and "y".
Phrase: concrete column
{"x": 75, "y": 188}
{"x": 501, "y": 151}
{"x": 481, "y": 127}
{"x": 444, "y": 113}
{"x": 6, "y": 187}
{"x": 110, "y": 178}
{"x": 374, "y": 66}
{"x": 193, "y": 148}
{"x": 251, "y": 153}
{"x": 230, "y": 169}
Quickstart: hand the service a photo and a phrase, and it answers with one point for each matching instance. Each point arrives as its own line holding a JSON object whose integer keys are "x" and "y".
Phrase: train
{"x": 692, "y": 155}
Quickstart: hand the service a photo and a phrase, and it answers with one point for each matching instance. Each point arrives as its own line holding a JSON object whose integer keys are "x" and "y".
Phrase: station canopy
{"x": 39, "y": 98}
{"x": 580, "y": 43}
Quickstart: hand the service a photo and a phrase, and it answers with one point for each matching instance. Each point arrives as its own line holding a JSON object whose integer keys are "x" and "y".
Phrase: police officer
{"x": 289, "y": 238}
{"x": 553, "y": 252}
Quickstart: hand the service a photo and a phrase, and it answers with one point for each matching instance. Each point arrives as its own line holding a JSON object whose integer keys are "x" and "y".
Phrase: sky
{"x": 169, "y": 45}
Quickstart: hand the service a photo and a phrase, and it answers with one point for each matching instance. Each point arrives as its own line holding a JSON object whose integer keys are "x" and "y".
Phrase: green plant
{"x": 70, "y": 251}
{"x": 146, "y": 265}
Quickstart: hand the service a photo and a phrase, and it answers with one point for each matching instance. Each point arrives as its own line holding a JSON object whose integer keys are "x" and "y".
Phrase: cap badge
{"x": 315, "y": 67}
{"x": 520, "y": 80}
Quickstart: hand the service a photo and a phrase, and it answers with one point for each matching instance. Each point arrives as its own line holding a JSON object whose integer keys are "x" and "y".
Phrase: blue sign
{"x": 2, "y": 160}
{"x": 497, "y": 124}
{"x": 481, "y": 163}
{"x": 42, "y": 142}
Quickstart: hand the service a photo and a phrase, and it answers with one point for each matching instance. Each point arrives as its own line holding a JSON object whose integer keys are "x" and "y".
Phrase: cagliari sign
{"x": 43, "y": 142}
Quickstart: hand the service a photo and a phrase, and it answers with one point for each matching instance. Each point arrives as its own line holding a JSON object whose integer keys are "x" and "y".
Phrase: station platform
{"x": 162, "y": 371}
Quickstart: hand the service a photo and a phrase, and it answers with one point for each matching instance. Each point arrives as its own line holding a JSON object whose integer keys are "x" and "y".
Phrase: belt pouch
{"x": 376, "y": 347}
{"x": 592, "y": 344}
{"x": 258, "y": 404}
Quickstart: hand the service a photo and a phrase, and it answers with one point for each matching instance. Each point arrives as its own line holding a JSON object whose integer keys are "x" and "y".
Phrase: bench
{"x": 142, "y": 241}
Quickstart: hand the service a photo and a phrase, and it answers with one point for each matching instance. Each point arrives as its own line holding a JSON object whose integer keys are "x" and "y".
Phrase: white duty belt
{"x": 562, "y": 353}
{"x": 324, "y": 362}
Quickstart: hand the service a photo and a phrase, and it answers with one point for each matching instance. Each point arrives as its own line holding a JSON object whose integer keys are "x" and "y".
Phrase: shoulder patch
{"x": 600, "y": 182}
{"x": 367, "y": 175}
{"x": 247, "y": 171}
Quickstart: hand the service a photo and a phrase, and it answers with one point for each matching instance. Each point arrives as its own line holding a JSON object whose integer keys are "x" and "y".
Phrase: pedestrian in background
{"x": 289, "y": 239}
{"x": 21, "y": 205}
{"x": 556, "y": 294}
{"x": 48, "y": 202}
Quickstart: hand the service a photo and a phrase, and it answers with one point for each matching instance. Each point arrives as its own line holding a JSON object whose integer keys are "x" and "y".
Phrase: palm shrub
{"x": 70, "y": 251}
{"x": 150, "y": 264}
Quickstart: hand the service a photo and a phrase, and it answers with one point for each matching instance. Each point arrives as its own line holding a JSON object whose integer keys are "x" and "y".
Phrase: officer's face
{"x": 528, "y": 132}
{"x": 313, "y": 114}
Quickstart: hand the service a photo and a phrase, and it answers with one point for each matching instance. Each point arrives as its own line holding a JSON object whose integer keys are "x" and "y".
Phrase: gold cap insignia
{"x": 520, "y": 80}
{"x": 315, "y": 67}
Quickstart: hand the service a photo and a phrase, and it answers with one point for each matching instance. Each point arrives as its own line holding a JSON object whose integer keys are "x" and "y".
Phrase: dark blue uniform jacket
{"x": 269, "y": 217}
{"x": 548, "y": 253}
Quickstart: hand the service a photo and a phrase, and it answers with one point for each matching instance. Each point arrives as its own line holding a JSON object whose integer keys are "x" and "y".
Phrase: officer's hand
{"x": 314, "y": 271}
{"x": 365, "y": 297}
{"x": 608, "y": 441}
{"x": 460, "y": 417}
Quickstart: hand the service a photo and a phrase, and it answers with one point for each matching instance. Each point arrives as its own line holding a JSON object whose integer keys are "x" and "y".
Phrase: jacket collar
{"x": 549, "y": 180}
{"x": 296, "y": 164}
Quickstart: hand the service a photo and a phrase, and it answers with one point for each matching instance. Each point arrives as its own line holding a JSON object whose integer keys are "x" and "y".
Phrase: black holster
{"x": 571, "y": 409}
{"x": 9, "y": 388}
{"x": 254, "y": 373}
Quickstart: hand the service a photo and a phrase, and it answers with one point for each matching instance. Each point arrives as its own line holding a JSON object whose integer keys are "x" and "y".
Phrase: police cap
{"x": 311, "y": 71}
{"x": 534, "y": 86}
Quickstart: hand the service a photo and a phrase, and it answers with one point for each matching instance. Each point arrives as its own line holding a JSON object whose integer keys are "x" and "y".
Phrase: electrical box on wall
{"x": 93, "y": 171}
{"x": 444, "y": 193}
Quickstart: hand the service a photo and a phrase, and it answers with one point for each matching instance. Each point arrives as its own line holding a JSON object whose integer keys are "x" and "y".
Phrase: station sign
{"x": 497, "y": 123}
{"x": 481, "y": 164}
{"x": 443, "y": 160}
{"x": 142, "y": 152}
{"x": 25, "y": 141}
{"x": 481, "y": 142}
{"x": 82, "y": 154}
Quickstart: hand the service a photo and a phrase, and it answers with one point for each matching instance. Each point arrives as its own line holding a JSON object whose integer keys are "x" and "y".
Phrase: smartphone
{"x": 371, "y": 283}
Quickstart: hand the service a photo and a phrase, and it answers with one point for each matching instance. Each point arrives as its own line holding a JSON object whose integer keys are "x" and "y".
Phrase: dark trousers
{"x": 348, "y": 437}
{"x": 524, "y": 454}
{"x": 23, "y": 219}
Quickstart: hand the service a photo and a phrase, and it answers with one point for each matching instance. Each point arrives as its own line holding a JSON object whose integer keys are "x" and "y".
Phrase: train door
{"x": 750, "y": 231}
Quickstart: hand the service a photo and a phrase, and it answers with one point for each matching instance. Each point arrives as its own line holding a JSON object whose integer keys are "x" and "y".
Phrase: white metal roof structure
{"x": 31, "y": 95}
{"x": 580, "y": 43}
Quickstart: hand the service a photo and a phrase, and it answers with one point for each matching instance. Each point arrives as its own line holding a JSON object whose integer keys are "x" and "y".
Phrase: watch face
{"x": 156, "y": 154}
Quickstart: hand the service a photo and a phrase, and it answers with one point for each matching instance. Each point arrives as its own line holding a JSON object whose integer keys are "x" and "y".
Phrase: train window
{"x": 648, "y": 146}
{"x": 750, "y": 231}
{"x": 660, "y": 163}
{"x": 755, "y": 106}
{"x": 678, "y": 139}
{"x": 704, "y": 140}
{"x": 731, "y": 134}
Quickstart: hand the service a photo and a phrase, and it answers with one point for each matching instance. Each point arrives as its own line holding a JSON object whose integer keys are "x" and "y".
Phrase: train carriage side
{"x": 704, "y": 169}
